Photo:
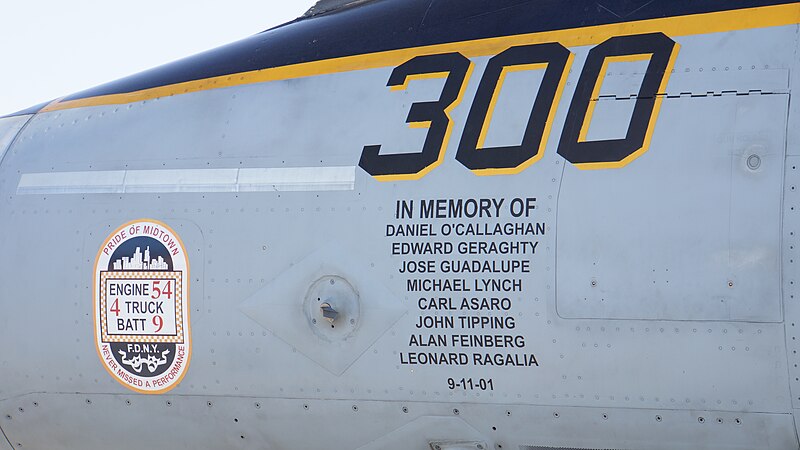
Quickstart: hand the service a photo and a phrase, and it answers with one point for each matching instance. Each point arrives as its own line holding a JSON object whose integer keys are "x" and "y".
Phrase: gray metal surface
{"x": 9, "y": 128}
{"x": 660, "y": 302}
{"x": 707, "y": 225}
{"x": 5, "y": 440}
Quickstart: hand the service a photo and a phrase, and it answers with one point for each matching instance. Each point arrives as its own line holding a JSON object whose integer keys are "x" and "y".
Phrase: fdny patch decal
{"x": 141, "y": 306}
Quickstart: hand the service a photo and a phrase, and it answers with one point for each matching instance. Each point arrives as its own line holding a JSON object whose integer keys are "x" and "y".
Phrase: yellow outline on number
{"x": 651, "y": 124}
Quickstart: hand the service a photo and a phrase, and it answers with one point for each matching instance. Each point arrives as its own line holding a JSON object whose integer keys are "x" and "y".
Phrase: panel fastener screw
{"x": 753, "y": 162}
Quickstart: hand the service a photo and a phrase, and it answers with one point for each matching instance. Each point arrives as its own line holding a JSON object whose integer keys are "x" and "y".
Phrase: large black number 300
{"x": 555, "y": 59}
{"x": 434, "y": 115}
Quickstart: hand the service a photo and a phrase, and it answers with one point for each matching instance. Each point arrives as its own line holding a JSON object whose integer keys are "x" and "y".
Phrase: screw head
{"x": 753, "y": 162}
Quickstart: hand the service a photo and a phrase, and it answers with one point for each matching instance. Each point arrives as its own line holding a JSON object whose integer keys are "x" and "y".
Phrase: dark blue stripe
{"x": 32, "y": 110}
{"x": 383, "y": 25}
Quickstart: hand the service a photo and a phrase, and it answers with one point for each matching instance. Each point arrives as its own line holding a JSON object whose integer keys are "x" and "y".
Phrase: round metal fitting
{"x": 333, "y": 308}
{"x": 753, "y": 162}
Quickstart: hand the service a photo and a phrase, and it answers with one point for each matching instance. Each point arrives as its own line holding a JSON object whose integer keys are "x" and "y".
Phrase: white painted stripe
{"x": 298, "y": 179}
{"x": 283, "y": 179}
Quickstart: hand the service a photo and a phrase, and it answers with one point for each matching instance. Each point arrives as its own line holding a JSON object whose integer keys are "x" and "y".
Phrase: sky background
{"x": 52, "y": 48}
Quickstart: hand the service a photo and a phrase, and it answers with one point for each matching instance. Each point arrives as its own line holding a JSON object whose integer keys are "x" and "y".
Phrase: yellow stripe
{"x": 761, "y": 17}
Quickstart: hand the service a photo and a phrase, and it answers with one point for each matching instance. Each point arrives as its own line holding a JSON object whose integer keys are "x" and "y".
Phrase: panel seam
{"x": 3, "y": 433}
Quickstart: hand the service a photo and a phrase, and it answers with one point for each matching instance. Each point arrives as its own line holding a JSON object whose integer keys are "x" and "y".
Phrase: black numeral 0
{"x": 435, "y": 115}
{"x": 617, "y": 152}
{"x": 552, "y": 57}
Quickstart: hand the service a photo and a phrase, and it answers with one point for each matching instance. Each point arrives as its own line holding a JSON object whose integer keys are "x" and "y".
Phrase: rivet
{"x": 753, "y": 162}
